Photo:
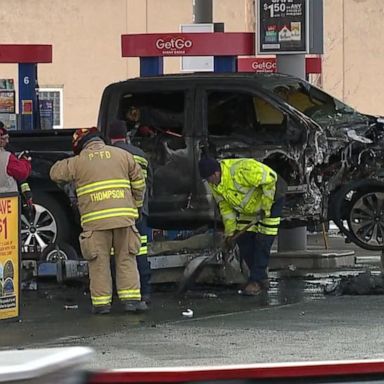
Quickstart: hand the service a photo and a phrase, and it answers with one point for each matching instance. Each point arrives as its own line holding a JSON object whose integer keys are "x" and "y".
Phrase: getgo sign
{"x": 265, "y": 65}
{"x": 173, "y": 46}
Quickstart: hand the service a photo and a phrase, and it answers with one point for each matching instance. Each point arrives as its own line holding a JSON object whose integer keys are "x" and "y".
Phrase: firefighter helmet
{"x": 82, "y": 136}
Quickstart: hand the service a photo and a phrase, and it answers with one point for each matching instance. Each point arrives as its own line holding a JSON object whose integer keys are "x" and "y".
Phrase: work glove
{"x": 28, "y": 206}
{"x": 140, "y": 212}
{"x": 24, "y": 155}
{"x": 260, "y": 215}
{"x": 27, "y": 193}
{"x": 230, "y": 241}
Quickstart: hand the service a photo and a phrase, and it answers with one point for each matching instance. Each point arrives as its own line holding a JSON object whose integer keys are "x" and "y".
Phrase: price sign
{"x": 9, "y": 256}
{"x": 282, "y": 26}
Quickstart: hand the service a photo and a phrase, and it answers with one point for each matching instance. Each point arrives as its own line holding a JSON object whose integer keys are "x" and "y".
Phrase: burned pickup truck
{"x": 330, "y": 155}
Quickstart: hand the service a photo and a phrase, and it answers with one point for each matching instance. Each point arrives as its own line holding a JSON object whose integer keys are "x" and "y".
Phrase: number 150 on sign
{"x": 275, "y": 8}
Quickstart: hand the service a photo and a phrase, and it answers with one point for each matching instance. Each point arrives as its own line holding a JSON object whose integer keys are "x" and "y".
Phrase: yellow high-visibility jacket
{"x": 109, "y": 185}
{"x": 246, "y": 187}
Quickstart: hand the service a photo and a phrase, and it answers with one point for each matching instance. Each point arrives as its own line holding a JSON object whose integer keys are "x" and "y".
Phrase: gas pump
{"x": 28, "y": 105}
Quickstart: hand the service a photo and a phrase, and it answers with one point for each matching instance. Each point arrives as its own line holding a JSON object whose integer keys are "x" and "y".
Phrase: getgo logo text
{"x": 174, "y": 46}
{"x": 264, "y": 66}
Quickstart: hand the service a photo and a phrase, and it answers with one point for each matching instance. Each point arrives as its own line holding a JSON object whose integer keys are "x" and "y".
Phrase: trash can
{"x": 43, "y": 366}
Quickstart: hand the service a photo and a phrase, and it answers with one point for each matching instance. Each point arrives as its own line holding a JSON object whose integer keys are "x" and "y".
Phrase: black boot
{"x": 101, "y": 309}
{"x": 134, "y": 306}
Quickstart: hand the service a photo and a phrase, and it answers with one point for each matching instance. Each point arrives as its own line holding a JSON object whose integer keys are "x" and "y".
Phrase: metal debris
{"x": 363, "y": 284}
{"x": 74, "y": 306}
{"x": 188, "y": 313}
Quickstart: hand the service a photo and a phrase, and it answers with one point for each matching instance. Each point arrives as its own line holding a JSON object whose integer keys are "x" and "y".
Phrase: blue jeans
{"x": 255, "y": 248}
{"x": 142, "y": 260}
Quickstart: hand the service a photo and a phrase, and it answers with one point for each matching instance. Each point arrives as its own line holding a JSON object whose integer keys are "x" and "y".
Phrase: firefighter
{"x": 13, "y": 173}
{"x": 12, "y": 169}
{"x": 110, "y": 189}
{"x": 247, "y": 191}
{"x": 119, "y": 138}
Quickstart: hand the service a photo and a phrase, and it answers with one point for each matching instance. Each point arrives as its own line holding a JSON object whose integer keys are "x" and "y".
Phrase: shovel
{"x": 196, "y": 265}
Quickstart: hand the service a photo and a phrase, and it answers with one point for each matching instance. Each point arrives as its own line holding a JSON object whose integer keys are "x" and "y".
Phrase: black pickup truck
{"x": 330, "y": 155}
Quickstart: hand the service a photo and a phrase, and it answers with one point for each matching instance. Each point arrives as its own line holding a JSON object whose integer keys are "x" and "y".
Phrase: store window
{"x": 55, "y": 95}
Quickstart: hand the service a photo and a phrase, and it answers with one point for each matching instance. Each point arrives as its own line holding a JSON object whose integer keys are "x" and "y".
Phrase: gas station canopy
{"x": 25, "y": 53}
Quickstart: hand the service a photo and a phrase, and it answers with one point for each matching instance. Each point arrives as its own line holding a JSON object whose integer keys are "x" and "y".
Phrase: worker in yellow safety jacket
{"x": 247, "y": 191}
{"x": 110, "y": 188}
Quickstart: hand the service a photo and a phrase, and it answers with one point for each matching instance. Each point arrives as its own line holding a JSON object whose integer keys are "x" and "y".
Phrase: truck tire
{"x": 366, "y": 219}
{"x": 50, "y": 223}
{"x": 343, "y": 205}
{"x": 59, "y": 210}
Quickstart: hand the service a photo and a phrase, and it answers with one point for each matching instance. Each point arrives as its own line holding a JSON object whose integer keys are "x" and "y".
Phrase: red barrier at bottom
{"x": 334, "y": 369}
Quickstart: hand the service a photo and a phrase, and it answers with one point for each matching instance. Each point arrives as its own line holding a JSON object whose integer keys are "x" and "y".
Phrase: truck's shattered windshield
{"x": 325, "y": 110}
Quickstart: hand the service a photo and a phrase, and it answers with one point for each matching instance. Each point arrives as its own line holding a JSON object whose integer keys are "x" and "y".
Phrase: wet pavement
{"x": 63, "y": 313}
{"x": 293, "y": 321}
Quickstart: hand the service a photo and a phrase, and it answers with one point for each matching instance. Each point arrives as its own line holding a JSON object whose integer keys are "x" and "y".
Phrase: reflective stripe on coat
{"x": 109, "y": 184}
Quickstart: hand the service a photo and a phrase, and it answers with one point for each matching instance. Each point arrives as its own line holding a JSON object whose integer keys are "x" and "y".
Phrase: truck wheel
{"x": 58, "y": 252}
{"x": 40, "y": 231}
{"x": 366, "y": 220}
{"x": 48, "y": 224}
